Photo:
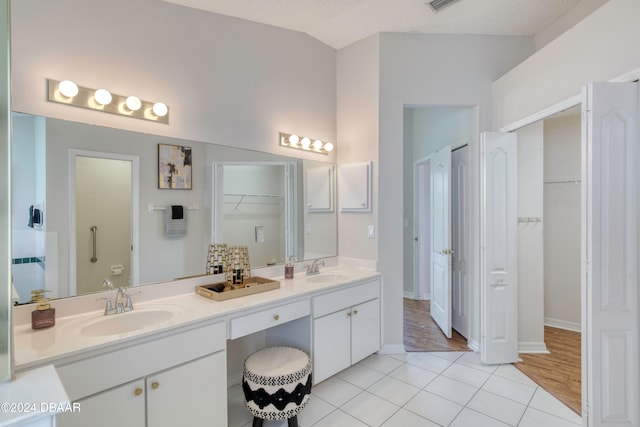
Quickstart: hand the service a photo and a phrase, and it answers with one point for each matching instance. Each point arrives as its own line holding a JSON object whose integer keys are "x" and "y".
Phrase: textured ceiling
{"x": 339, "y": 23}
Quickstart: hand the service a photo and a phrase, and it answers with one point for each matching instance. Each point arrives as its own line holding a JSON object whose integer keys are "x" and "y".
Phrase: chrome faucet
{"x": 122, "y": 303}
{"x": 313, "y": 267}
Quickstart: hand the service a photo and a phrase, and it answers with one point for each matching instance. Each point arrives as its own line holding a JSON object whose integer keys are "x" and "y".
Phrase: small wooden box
{"x": 250, "y": 285}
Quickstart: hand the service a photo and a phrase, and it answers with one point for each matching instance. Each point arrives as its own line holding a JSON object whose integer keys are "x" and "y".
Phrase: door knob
{"x": 137, "y": 391}
{"x": 155, "y": 385}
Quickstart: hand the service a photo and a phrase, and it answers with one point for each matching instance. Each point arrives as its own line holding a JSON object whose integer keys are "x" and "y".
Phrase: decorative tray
{"x": 224, "y": 290}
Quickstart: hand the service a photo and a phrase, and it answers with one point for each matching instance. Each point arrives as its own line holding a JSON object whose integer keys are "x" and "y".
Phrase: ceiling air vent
{"x": 436, "y": 5}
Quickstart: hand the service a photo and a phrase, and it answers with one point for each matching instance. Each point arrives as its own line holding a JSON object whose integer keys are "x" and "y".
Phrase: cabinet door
{"x": 120, "y": 406}
{"x": 365, "y": 330}
{"x": 331, "y": 344}
{"x": 191, "y": 394}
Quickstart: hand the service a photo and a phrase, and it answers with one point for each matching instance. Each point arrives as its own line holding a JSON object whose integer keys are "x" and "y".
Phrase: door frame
{"x": 135, "y": 212}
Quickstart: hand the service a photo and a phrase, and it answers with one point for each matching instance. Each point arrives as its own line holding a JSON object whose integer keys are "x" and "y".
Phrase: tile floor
{"x": 423, "y": 389}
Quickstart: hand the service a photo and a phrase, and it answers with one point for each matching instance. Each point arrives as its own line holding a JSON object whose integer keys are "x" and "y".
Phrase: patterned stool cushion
{"x": 277, "y": 382}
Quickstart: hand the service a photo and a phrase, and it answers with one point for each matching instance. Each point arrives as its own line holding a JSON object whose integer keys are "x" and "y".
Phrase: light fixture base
{"x": 85, "y": 99}
{"x": 311, "y": 147}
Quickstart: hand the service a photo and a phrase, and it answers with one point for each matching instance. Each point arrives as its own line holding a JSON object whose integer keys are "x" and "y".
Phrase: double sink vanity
{"x": 170, "y": 360}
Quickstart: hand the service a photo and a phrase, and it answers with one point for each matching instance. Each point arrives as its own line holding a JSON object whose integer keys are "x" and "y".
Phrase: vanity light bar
{"x": 67, "y": 92}
{"x": 305, "y": 143}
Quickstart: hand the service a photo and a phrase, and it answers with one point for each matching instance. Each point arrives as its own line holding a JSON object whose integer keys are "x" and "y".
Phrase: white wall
{"x": 530, "y": 240}
{"x": 358, "y": 71}
{"x": 562, "y": 222}
{"x": 445, "y": 70}
{"x": 225, "y": 80}
{"x": 599, "y": 48}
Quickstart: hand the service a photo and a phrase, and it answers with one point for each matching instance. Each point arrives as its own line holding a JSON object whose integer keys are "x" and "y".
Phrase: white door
{"x": 610, "y": 374}
{"x": 365, "y": 330}
{"x": 459, "y": 240}
{"x": 422, "y": 257}
{"x": 441, "y": 239}
{"x": 499, "y": 242}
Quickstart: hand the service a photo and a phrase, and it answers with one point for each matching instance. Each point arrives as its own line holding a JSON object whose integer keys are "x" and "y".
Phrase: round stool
{"x": 276, "y": 382}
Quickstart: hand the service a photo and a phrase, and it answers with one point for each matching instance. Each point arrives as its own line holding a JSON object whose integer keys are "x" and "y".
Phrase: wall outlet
{"x": 260, "y": 234}
{"x": 371, "y": 232}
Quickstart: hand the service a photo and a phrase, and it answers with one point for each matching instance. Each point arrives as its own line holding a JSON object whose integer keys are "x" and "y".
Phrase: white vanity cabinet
{"x": 346, "y": 328}
{"x": 174, "y": 380}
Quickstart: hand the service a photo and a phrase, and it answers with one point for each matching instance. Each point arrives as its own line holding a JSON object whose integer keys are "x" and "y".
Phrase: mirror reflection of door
{"x": 103, "y": 222}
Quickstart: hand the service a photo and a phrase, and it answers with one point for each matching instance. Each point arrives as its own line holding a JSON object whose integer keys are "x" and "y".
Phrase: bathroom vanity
{"x": 173, "y": 357}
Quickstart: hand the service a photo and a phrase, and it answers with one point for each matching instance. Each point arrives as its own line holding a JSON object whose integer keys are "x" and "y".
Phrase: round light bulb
{"x": 317, "y": 144}
{"x": 306, "y": 142}
{"x": 68, "y": 88}
{"x": 328, "y": 147}
{"x": 160, "y": 109}
{"x": 293, "y": 139}
{"x": 102, "y": 97}
{"x": 133, "y": 103}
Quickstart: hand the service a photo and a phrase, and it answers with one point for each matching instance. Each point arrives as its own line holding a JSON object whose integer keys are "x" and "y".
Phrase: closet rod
{"x": 572, "y": 181}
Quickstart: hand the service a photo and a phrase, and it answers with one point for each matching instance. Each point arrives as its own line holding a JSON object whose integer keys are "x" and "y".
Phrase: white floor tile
{"x": 432, "y": 363}
{"x": 381, "y": 363}
{"x": 451, "y": 389}
{"x": 449, "y": 355}
{"x": 339, "y": 419}
{"x": 237, "y": 412}
{"x": 361, "y": 376}
{"x": 402, "y": 357}
{"x": 370, "y": 409}
{"x": 434, "y": 408}
{"x": 314, "y": 411}
{"x": 513, "y": 390}
{"x": 336, "y": 391}
{"x": 404, "y": 418}
{"x": 467, "y": 374}
{"x": 413, "y": 375}
{"x": 472, "y": 359}
{"x": 511, "y": 372}
{"x": 535, "y": 418}
{"x": 545, "y": 402}
{"x": 470, "y": 418}
{"x": 497, "y": 407}
{"x": 393, "y": 390}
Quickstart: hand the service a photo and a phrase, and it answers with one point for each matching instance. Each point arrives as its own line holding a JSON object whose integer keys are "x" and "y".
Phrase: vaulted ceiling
{"x": 339, "y": 23}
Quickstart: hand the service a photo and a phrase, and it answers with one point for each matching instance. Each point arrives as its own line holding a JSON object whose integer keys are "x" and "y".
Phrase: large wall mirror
{"x": 87, "y": 207}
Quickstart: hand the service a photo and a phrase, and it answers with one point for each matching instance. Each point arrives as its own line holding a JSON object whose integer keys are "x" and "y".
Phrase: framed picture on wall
{"x": 174, "y": 167}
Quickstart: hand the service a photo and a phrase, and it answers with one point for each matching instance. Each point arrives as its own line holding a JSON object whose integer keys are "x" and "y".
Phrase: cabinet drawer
{"x": 112, "y": 368}
{"x": 338, "y": 300}
{"x": 245, "y": 325}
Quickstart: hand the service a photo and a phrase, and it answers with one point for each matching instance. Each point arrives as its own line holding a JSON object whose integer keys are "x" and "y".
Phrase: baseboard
{"x": 409, "y": 295}
{"x": 532, "y": 347}
{"x": 473, "y": 345}
{"x": 562, "y": 324}
{"x": 392, "y": 349}
{"x": 419, "y": 297}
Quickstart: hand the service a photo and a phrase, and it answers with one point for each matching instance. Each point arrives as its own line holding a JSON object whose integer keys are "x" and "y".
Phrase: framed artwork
{"x": 174, "y": 167}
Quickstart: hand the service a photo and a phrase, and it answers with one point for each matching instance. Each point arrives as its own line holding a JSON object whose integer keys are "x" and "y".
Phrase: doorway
{"x": 428, "y": 130}
{"x": 104, "y": 220}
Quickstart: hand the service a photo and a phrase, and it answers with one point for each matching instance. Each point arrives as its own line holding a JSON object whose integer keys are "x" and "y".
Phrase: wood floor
{"x": 422, "y": 334}
{"x": 558, "y": 373}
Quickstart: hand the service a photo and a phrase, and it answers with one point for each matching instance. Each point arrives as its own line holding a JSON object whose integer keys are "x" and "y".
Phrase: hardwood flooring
{"x": 559, "y": 373}
{"x": 422, "y": 334}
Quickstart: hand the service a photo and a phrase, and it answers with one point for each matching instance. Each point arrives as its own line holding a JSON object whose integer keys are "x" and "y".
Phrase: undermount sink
{"x": 139, "y": 318}
{"x": 327, "y": 277}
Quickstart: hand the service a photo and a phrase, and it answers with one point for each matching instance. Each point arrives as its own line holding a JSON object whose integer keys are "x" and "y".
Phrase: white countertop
{"x": 39, "y": 347}
{"x": 33, "y": 394}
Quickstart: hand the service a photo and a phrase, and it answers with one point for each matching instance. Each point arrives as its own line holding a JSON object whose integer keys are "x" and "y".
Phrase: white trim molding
{"x": 392, "y": 349}
{"x": 532, "y": 347}
{"x": 563, "y": 324}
